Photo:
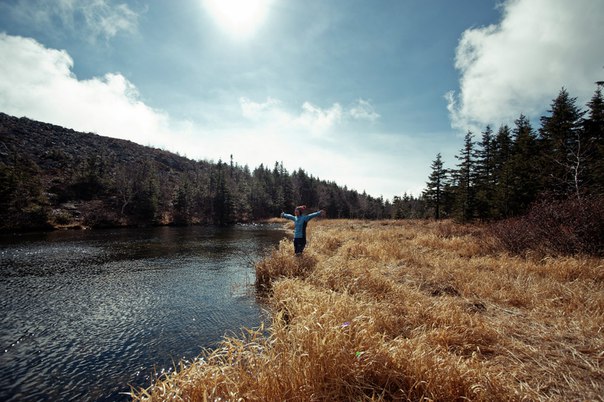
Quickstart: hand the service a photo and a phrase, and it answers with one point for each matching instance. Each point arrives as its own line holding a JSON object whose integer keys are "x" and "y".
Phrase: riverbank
{"x": 409, "y": 310}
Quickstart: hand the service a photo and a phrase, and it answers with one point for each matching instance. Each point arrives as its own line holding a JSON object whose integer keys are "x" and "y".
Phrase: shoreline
{"x": 79, "y": 226}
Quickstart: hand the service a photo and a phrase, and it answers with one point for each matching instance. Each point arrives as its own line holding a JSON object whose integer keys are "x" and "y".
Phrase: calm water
{"x": 83, "y": 314}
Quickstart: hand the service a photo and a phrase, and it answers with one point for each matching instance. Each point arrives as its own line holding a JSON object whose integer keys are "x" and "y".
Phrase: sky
{"x": 363, "y": 93}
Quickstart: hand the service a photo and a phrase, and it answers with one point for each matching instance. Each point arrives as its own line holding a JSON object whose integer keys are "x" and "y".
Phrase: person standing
{"x": 300, "y": 222}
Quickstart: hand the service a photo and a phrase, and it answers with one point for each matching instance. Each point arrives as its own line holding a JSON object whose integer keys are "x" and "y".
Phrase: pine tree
{"x": 435, "y": 186}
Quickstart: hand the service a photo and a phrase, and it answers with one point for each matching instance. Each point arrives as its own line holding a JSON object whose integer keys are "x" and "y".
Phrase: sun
{"x": 240, "y": 18}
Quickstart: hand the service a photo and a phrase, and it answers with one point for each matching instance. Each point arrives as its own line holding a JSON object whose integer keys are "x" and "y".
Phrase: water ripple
{"x": 85, "y": 314}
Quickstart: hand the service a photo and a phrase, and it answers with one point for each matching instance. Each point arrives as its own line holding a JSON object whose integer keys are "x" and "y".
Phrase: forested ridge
{"x": 504, "y": 173}
{"x": 51, "y": 176}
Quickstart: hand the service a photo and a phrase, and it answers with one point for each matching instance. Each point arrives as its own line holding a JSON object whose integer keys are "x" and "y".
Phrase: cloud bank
{"x": 51, "y": 92}
{"x": 520, "y": 64}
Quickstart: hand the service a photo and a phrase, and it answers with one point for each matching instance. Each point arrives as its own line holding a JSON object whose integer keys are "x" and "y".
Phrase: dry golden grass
{"x": 410, "y": 310}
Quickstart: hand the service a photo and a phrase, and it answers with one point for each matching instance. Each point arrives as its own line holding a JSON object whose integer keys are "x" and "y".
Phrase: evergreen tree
{"x": 502, "y": 173}
{"x": 435, "y": 186}
{"x": 594, "y": 134}
{"x": 464, "y": 180}
{"x": 525, "y": 178}
{"x": 485, "y": 174}
{"x": 563, "y": 146}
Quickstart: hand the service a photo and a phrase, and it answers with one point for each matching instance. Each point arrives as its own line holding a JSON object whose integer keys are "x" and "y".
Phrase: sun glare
{"x": 239, "y": 18}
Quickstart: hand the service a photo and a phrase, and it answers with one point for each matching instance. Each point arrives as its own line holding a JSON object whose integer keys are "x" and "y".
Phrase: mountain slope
{"x": 53, "y": 177}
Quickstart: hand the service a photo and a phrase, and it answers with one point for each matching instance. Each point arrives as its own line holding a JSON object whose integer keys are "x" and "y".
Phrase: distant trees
{"x": 505, "y": 173}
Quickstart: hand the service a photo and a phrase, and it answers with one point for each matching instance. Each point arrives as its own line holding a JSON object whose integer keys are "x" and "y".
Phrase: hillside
{"x": 54, "y": 177}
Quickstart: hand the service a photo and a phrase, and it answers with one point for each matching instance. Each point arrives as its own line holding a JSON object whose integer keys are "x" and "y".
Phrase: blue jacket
{"x": 300, "y": 223}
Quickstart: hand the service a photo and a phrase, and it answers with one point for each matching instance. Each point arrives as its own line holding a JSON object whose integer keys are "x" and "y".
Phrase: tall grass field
{"x": 409, "y": 310}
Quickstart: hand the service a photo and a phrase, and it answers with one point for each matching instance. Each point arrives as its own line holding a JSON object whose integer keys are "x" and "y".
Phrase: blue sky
{"x": 361, "y": 92}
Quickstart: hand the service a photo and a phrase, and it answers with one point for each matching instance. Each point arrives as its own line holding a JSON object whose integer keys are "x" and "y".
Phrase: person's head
{"x": 299, "y": 209}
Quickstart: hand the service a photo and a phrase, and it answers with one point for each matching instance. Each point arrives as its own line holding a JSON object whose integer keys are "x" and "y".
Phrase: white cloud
{"x": 253, "y": 110}
{"x": 92, "y": 18}
{"x": 364, "y": 110}
{"x": 520, "y": 65}
{"x": 311, "y": 119}
{"x": 318, "y": 121}
{"x": 38, "y": 83}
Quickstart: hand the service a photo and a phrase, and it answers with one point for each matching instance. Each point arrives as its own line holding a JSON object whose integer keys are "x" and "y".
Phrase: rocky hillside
{"x": 53, "y": 147}
{"x": 57, "y": 177}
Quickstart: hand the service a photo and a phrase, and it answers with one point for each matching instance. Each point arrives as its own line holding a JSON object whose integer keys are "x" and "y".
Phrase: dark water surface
{"x": 85, "y": 314}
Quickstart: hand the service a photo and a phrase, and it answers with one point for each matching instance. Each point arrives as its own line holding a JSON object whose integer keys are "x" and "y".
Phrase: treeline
{"x": 52, "y": 177}
{"x": 503, "y": 173}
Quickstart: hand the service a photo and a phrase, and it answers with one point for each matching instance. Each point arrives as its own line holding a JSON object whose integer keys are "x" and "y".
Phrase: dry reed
{"x": 409, "y": 310}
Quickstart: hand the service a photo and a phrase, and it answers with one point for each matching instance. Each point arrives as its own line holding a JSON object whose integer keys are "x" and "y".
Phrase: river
{"x": 86, "y": 314}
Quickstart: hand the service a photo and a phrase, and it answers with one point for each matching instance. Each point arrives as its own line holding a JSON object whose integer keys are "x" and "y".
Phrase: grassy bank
{"x": 410, "y": 310}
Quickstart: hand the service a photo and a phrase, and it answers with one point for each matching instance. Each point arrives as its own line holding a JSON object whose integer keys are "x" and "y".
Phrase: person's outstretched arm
{"x": 288, "y": 216}
{"x": 315, "y": 214}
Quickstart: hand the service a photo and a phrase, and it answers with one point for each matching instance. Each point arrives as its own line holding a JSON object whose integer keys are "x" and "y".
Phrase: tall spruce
{"x": 525, "y": 178}
{"x": 594, "y": 133}
{"x": 434, "y": 187}
{"x": 485, "y": 174}
{"x": 464, "y": 180}
{"x": 563, "y": 146}
{"x": 502, "y": 174}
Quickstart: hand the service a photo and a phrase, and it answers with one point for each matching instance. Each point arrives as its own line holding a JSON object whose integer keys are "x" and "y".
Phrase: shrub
{"x": 565, "y": 227}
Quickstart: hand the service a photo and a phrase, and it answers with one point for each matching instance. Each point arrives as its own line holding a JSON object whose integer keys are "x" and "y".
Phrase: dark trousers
{"x": 299, "y": 245}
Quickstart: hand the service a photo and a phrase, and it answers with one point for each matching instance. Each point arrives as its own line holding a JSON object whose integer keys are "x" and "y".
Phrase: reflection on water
{"x": 83, "y": 315}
